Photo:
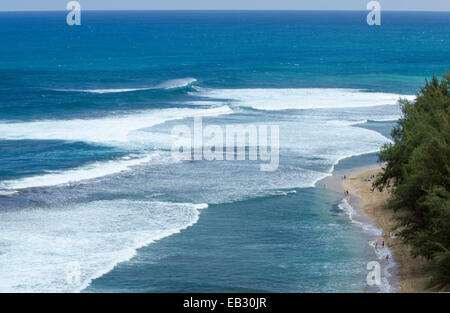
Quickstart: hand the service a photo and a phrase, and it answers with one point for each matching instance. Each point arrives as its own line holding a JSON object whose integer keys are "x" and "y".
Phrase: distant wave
{"x": 106, "y": 131}
{"x": 272, "y": 99}
{"x": 109, "y": 130}
{"x": 176, "y": 83}
{"x": 392, "y": 118}
{"x": 96, "y": 236}
{"x": 85, "y": 172}
{"x": 105, "y": 90}
{"x": 169, "y": 84}
{"x": 7, "y": 192}
{"x": 388, "y": 119}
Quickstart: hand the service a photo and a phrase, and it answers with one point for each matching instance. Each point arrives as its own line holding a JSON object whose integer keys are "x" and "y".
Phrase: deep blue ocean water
{"x": 86, "y": 175}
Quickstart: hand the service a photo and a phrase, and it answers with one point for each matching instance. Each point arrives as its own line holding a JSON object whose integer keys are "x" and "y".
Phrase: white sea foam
{"x": 119, "y": 130}
{"x": 358, "y": 122}
{"x": 170, "y": 84}
{"x": 85, "y": 172}
{"x": 39, "y": 244}
{"x": 353, "y": 216}
{"x": 7, "y": 192}
{"x": 106, "y": 130}
{"x": 389, "y": 118}
{"x": 379, "y": 250}
{"x": 302, "y": 98}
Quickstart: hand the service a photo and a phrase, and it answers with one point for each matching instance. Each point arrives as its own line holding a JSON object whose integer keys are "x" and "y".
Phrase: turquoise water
{"x": 86, "y": 173}
{"x": 269, "y": 244}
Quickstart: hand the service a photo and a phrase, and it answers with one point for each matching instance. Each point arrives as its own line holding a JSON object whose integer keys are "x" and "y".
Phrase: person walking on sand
{"x": 387, "y": 256}
{"x": 382, "y": 244}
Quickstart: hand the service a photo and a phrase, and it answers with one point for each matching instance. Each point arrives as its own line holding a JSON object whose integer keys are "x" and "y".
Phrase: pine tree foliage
{"x": 418, "y": 169}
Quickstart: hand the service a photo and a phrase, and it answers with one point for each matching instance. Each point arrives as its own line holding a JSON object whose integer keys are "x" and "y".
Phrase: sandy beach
{"x": 406, "y": 270}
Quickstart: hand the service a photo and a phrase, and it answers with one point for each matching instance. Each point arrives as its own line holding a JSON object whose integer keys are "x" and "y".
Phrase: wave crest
{"x": 271, "y": 99}
{"x": 169, "y": 84}
{"x": 96, "y": 235}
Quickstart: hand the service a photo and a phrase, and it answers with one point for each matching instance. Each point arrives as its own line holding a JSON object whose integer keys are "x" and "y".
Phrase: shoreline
{"x": 400, "y": 272}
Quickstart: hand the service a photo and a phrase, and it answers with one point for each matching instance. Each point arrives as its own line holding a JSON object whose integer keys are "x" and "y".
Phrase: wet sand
{"x": 403, "y": 271}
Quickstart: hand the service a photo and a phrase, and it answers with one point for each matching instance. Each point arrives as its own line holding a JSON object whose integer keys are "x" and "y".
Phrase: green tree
{"x": 418, "y": 169}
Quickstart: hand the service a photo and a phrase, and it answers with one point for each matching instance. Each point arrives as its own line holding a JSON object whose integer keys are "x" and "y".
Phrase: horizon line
{"x": 224, "y": 10}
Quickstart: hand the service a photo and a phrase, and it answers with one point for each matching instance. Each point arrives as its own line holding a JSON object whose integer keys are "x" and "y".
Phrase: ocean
{"x": 88, "y": 182}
